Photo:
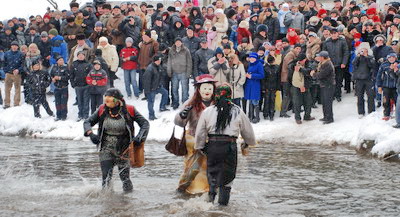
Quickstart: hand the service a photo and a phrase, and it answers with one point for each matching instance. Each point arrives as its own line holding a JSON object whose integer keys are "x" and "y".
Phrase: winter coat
{"x": 86, "y": 49}
{"x": 369, "y": 37}
{"x": 58, "y": 47}
{"x": 89, "y": 25}
{"x": 281, "y": 18}
{"x": 63, "y": 72}
{"x": 71, "y": 30}
{"x": 20, "y": 37}
{"x": 272, "y": 79}
{"x": 364, "y": 68}
{"x": 5, "y": 41}
{"x": 132, "y": 53}
{"x": 273, "y": 28}
{"x": 252, "y": 87}
{"x": 258, "y": 41}
{"x": 13, "y": 60}
{"x": 303, "y": 72}
{"x": 95, "y": 36}
{"x": 219, "y": 71}
{"x": 45, "y": 27}
{"x": 285, "y": 65}
{"x": 100, "y": 76}
{"x": 242, "y": 33}
{"x": 338, "y": 51}
{"x": 110, "y": 55}
{"x": 380, "y": 53}
{"x": 79, "y": 70}
{"x": 176, "y": 32}
{"x": 45, "y": 51}
{"x": 162, "y": 33}
{"x": 179, "y": 62}
{"x": 237, "y": 78}
{"x": 38, "y": 81}
{"x": 29, "y": 39}
{"x": 199, "y": 16}
{"x": 146, "y": 52}
{"x": 313, "y": 48}
{"x": 325, "y": 74}
{"x": 132, "y": 31}
{"x": 385, "y": 78}
{"x": 104, "y": 18}
{"x": 221, "y": 29}
{"x": 193, "y": 44}
{"x": 117, "y": 37}
{"x": 152, "y": 78}
{"x": 295, "y": 21}
{"x": 200, "y": 61}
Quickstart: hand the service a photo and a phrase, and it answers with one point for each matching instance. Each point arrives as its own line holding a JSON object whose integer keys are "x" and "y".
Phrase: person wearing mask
{"x": 325, "y": 75}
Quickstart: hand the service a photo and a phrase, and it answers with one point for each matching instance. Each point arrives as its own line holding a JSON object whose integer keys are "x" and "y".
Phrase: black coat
{"x": 132, "y": 31}
{"x": 5, "y": 41}
{"x": 90, "y": 23}
{"x": 326, "y": 74}
{"x": 152, "y": 78}
{"x": 45, "y": 51}
{"x": 273, "y": 28}
{"x": 176, "y": 32}
{"x": 38, "y": 81}
{"x": 200, "y": 60}
{"x": 162, "y": 32}
{"x": 29, "y": 39}
{"x": 305, "y": 71}
{"x": 79, "y": 71}
{"x": 192, "y": 44}
{"x": 63, "y": 72}
{"x": 338, "y": 51}
{"x": 364, "y": 68}
{"x": 272, "y": 78}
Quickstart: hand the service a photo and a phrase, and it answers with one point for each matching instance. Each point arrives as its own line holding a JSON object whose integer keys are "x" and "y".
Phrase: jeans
{"x": 389, "y": 94}
{"x": 2, "y": 74}
{"x": 184, "y": 80}
{"x": 83, "y": 98}
{"x": 151, "y": 97}
{"x": 327, "y": 94}
{"x": 61, "y": 97}
{"x": 130, "y": 79}
{"x": 254, "y": 101}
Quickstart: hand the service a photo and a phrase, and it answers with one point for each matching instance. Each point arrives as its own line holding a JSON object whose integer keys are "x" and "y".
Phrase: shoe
{"x": 51, "y": 115}
{"x": 314, "y": 106}
{"x": 309, "y": 118}
{"x": 298, "y": 122}
{"x": 397, "y": 126}
{"x": 76, "y": 103}
{"x": 164, "y": 109}
{"x": 50, "y": 93}
{"x": 339, "y": 99}
{"x": 57, "y": 119}
{"x": 386, "y": 118}
{"x": 379, "y": 104}
{"x": 271, "y": 118}
{"x": 79, "y": 119}
{"x": 322, "y": 119}
{"x": 152, "y": 118}
{"x": 6, "y": 107}
{"x": 361, "y": 116}
{"x": 328, "y": 122}
{"x": 144, "y": 98}
{"x": 127, "y": 186}
{"x": 224, "y": 195}
{"x": 38, "y": 116}
{"x": 284, "y": 115}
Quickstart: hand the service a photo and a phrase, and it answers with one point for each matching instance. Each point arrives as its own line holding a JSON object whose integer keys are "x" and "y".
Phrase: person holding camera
{"x": 131, "y": 27}
{"x": 363, "y": 76}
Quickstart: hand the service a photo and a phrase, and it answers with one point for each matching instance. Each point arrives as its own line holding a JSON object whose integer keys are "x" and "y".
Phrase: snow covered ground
{"x": 347, "y": 129}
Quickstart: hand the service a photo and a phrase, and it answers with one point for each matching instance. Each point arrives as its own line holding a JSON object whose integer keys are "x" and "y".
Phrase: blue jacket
{"x": 58, "y": 47}
{"x": 385, "y": 78}
{"x": 252, "y": 87}
{"x": 12, "y": 61}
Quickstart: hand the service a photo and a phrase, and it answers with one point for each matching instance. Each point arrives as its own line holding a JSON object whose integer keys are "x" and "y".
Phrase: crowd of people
{"x": 302, "y": 50}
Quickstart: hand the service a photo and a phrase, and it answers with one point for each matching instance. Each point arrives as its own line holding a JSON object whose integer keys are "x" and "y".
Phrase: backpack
{"x": 129, "y": 108}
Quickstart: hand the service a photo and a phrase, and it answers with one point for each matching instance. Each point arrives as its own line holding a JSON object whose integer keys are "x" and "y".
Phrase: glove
{"x": 137, "y": 141}
{"x": 214, "y": 28}
{"x": 94, "y": 138}
{"x": 184, "y": 114}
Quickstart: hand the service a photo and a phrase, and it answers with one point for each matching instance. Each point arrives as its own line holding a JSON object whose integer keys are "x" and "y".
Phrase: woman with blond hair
{"x": 220, "y": 22}
{"x": 32, "y": 55}
{"x": 237, "y": 78}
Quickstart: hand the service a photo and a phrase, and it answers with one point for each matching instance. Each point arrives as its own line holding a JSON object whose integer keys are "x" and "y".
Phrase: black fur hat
{"x": 114, "y": 92}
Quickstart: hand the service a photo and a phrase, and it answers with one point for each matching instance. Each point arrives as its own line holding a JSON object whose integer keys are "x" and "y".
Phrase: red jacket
{"x": 243, "y": 33}
{"x": 99, "y": 76}
{"x": 186, "y": 21}
{"x": 132, "y": 62}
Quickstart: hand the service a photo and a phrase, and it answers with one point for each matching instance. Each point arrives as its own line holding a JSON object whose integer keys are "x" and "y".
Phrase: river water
{"x": 62, "y": 178}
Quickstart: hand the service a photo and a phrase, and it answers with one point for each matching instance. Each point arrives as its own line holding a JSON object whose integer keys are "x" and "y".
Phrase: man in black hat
{"x": 159, "y": 10}
{"x": 80, "y": 46}
{"x": 153, "y": 84}
{"x": 300, "y": 79}
{"x": 70, "y": 31}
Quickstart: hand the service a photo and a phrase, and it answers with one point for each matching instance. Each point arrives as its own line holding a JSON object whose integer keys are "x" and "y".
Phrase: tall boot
{"x": 244, "y": 105}
{"x": 212, "y": 193}
{"x": 250, "y": 114}
{"x": 256, "y": 119}
{"x": 127, "y": 186}
{"x": 224, "y": 195}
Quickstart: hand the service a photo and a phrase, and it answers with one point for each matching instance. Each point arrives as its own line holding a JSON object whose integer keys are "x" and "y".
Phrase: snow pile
{"x": 347, "y": 129}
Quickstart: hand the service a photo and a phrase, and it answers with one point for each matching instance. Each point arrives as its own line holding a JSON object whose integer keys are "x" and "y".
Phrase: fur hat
{"x": 262, "y": 28}
{"x": 380, "y": 36}
{"x": 80, "y": 37}
{"x": 230, "y": 13}
{"x": 103, "y": 39}
{"x": 114, "y": 92}
{"x": 244, "y": 24}
{"x": 147, "y": 32}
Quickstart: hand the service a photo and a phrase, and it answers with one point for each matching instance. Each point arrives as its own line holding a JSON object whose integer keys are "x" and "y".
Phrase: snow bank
{"x": 347, "y": 129}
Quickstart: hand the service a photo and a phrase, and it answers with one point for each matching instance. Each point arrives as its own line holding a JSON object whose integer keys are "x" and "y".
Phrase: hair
{"x": 196, "y": 100}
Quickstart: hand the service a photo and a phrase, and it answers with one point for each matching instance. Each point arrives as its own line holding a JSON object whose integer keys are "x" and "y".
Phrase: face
{"x": 60, "y": 61}
{"x": 81, "y": 42}
{"x": 36, "y": 67}
{"x": 178, "y": 43}
{"x": 189, "y": 33}
{"x": 97, "y": 66}
{"x": 14, "y": 47}
{"x": 204, "y": 45}
{"x": 335, "y": 35}
{"x": 392, "y": 59}
{"x": 178, "y": 24}
{"x": 145, "y": 38}
{"x": 219, "y": 55}
{"x": 81, "y": 57}
{"x": 206, "y": 91}
{"x": 116, "y": 11}
{"x": 103, "y": 43}
{"x": 252, "y": 59}
{"x": 297, "y": 49}
{"x": 111, "y": 102}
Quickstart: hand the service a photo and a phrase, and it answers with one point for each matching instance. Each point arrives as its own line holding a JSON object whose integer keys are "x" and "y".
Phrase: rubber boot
{"x": 256, "y": 119}
{"x": 127, "y": 186}
{"x": 250, "y": 114}
{"x": 224, "y": 195}
{"x": 212, "y": 193}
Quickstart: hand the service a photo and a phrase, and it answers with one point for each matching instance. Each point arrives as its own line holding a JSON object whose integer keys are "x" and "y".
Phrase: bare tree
{"x": 53, "y": 3}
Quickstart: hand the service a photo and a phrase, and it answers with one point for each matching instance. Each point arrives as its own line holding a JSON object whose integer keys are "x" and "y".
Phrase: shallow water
{"x": 62, "y": 178}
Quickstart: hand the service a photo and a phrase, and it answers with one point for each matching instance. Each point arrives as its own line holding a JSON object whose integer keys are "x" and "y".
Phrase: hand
{"x": 94, "y": 138}
{"x": 48, "y": 57}
{"x": 184, "y": 114}
{"x": 248, "y": 75}
{"x": 53, "y": 80}
{"x": 222, "y": 60}
{"x": 297, "y": 68}
{"x": 16, "y": 71}
{"x": 380, "y": 91}
{"x": 94, "y": 82}
{"x": 312, "y": 73}
{"x": 342, "y": 66}
{"x": 245, "y": 149}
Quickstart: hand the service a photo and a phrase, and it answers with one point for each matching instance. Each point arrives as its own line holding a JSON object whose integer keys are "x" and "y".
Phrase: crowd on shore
{"x": 302, "y": 51}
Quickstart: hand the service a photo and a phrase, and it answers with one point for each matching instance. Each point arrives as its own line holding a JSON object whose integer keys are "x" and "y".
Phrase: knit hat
{"x": 218, "y": 51}
{"x": 285, "y": 5}
{"x": 371, "y": 11}
{"x": 391, "y": 55}
{"x": 96, "y": 62}
{"x": 44, "y": 34}
{"x": 98, "y": 24}
{"x": 157, "y": 57}
{"x": 203, "y": 40}
{"x": 301, "y": 57}
{"x": 114, "y": 92}
{"x": 380, "y": 36}
{"x": 69, "y": 14}
{"x": 57, "y": 57}
{"x": 357, "y": 35}
{"x": 321, "y": 12}
{"x": 253, "y": 55}
{"x": 313, "y": 34}
{"x": 198, "y": 22}
{"x": 129, "y": 39}
{"x": 53, "y": 32}
{"x": 46, "y": 16}
{"x": 224, "y": 37}
{"x": 244, "y": 24}
{"x": 230, "y": 13}
{"x": 178, "y": 39}
{"x": 262, "y": 28}
{"x": 15, "y": 43}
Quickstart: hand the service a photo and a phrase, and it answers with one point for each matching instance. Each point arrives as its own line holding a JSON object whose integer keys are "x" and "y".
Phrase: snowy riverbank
{"x": 347, "y": 129}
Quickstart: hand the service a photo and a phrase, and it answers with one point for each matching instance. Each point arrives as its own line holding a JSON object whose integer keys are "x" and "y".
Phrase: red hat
{"x": 321, "y": 11}
{"x": 291, "y": 30}
{"x": 46, "y": 16}
{"x": 357, "y": 35}
{"x": 205, "y": 78}
{"x": 376, "y": 19}
{"x": 371, "y": 11}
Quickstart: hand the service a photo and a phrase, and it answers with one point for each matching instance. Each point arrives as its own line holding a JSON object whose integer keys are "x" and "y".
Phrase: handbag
{"x": 135, "y": 155}
{"x": 177, "y": 146}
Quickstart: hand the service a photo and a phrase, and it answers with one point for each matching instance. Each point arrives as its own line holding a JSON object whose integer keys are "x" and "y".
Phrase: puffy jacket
{"x": 252, "y": 87}
{"x": 179, "y": 62}
{"x": 29, "y": 39}
{"x": 100, "y": 76}
{"x": 6, "y": 40}
{"x": 162, "y": 32}
{"x": 381, "y": 52}
{"x": 338, "y": 50}
{"x": 385, "y": 77}
{"x": 13, "y": 60}
{"x": 272, "y": 79}
{"x": 325, "y": 73}
{"x": 273, "y": 28}
{"x": 79, "y": 71}
{"x": 132, "y": 53}
{"x": 152, "y": 78}
{"x": 132, "y": 31}
{"x": 64, "y": 74}
{"x": 58, "y": 47}
{"x": 38, "y": 81}
{"x": 200, "y": 61}
{"x": 364, "y": 68}
{"x": 45, "y": 51}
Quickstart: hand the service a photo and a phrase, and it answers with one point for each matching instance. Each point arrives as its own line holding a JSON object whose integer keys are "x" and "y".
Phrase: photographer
{"x": 130, "y": 26}
{"x": 363, "y": 76}
{"x": 300, "y": 79}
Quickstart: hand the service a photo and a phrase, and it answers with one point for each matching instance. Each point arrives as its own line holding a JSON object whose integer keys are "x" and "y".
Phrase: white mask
{"x": 206, "y": 91}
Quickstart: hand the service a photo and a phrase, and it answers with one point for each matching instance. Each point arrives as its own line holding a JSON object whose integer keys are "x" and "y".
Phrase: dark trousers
{"x": 83, "y": 98}
{"x": 237, "y": 101}
{"x": 301, "y": 99}
{"x": 107, "y": 170}
{"x": 61, "y": 98}
{"x": 269, "y": 103}
{"x": 388, "y": 95}
{"x": 167, "y": 84}
{"x": 286, "y": 98}
{"x": 365, "y": 87}
{"x": 95, "y": 101}
{"x": 347, "y": 79}
{"x": 141, "y": 73}
{"x": 327, "y": 95}
{"x": 315, "y": 94}
{"x": 40, "y": 99}
{"x": 339, "y": 81}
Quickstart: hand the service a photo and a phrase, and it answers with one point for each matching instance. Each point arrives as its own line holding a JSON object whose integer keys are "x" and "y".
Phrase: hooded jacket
{"x": 58, "y": 47}
{"x": 175, "y": 32}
